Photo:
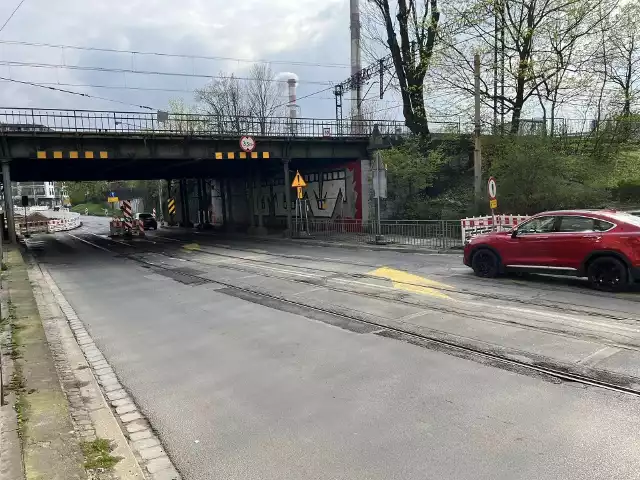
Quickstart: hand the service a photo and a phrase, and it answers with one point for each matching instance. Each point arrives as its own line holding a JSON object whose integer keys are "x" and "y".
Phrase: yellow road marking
{"x": 191, "y": 246}
{"x": 412, "y": 283}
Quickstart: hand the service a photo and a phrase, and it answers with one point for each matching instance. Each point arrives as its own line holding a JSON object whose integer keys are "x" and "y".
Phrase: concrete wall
{"x": 332, "y": 192}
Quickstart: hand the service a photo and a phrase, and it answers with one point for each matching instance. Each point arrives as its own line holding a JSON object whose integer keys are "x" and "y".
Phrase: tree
{"x": 544, "y": 45}
{"x": 183, "y": 118}
{"x": 224, "y": 101}
{"x": 410, "y": 172}
{"x": 233, "y": 104}
{"x": 411, "y": 30}
{"x": 623, "y": 66}
{"x": 262, "y": 95}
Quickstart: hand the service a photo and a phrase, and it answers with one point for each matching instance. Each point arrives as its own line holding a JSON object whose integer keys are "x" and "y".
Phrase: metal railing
{"x": 429, "y": 234}
{"x": 39, "y": 121}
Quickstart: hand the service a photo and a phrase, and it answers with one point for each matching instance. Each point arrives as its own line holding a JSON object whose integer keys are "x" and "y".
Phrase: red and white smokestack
{"x": 292, "y": 97}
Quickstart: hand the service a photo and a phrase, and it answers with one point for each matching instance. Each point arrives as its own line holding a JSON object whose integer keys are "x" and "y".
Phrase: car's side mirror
{"x": 514, "y": 234}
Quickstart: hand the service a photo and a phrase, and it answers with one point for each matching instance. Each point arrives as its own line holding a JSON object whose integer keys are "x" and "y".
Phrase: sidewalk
{"x": 319, "y": 241}
{"x": 56, "y": 424}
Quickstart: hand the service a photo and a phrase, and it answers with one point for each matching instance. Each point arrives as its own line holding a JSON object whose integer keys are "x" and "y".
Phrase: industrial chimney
{"x": 293, "y": 112}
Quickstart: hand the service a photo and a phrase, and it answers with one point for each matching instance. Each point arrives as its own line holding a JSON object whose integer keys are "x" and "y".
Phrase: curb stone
{"x": 157, "y": 463}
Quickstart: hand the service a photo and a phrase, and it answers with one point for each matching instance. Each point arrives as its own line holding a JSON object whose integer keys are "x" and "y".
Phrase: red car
{"x": 602, "y": 245}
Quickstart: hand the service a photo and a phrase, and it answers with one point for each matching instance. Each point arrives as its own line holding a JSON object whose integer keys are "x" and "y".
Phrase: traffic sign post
{"x": 492, "y": 190}
{"x": 299, "y": 183}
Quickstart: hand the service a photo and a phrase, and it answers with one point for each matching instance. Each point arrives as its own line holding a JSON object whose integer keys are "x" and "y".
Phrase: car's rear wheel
{"x": 608, "y": 274}
{"x": 485, "y": 263}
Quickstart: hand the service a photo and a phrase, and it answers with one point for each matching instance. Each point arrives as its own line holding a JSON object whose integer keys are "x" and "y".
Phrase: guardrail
{"x": 45, "y": 121}
{"x": 430, "y": 234}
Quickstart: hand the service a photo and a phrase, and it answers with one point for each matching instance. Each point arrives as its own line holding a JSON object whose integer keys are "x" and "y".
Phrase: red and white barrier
{"x": 68, "y": 222}
{"x": 119, "y": 228}
{"x": 473, "y": 226}
{"x": 48, "y": 222}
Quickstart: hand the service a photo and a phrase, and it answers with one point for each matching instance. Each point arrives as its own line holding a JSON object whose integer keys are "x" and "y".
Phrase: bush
{"x": 540, "y": 173}
{"x": 95, "y": 209}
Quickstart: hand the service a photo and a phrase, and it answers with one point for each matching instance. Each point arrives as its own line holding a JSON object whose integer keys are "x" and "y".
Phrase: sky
{"x": 274, "y": 30}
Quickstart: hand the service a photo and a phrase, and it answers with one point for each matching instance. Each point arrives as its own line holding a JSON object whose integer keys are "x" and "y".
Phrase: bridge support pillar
{"x": 251, "y": 201}
{"x": 8, "y": 201}
{"x": 184, "y": 203}
{"x": 229, "y": 194}
{"x": 202, "y": 209}
{"x": 223, "y": 201}
{"x": 254, "y": 209}
{"x": 261, "y": 230}
{"x": 287, "y": 194}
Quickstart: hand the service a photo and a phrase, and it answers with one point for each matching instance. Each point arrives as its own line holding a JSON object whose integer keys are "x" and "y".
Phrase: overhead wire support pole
{"x": 361, "y": 77}
{"x": 477, "y": 150}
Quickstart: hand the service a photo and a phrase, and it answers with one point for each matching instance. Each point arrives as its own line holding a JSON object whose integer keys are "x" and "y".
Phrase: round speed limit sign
{"x": 492, "y": 188}
{"x": 247, "y": 144}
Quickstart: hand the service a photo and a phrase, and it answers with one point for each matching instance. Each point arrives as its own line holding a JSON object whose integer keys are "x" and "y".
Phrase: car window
{"x": 602, "y": 225}
{"x": 537, "y": 225}
{"x": 575, "y": 223}
{"x": 144, "y": 215}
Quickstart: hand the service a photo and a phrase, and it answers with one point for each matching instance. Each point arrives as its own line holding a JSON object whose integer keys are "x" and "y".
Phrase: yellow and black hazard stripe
{"x": 59, "y": 154}
{"x": 171, "y": 204}
{"x": 240, "y": 155}
{"x": 90, "y": 154}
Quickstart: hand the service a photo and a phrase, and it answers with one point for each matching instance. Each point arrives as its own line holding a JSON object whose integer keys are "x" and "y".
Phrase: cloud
{"x": 302, "y": 30}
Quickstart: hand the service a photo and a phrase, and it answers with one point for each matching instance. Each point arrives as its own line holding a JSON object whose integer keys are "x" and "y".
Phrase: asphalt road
{"x": 273, "y": 381}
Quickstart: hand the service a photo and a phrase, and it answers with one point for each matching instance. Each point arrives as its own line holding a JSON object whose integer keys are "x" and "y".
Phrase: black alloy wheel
{"x": 485, "y": 263}
{"x": 608, "y": 274}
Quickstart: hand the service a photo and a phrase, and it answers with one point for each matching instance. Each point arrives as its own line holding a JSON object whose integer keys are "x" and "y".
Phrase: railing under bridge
{"x": 45, "y": 121}
{"x": 432, "y": 234}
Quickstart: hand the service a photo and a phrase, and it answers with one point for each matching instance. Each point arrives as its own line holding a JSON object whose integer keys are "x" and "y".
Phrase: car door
{"x": 575, "y": 238}
{"x": 528, "y": 245}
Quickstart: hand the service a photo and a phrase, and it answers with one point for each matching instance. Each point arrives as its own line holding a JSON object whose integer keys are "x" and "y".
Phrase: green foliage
{"x": 542, "y": 173}
{"x": 98, "y": 454}
{"x": 411, "y": 168}
{"x": 95, "y": 209}
{"x": 82, "y": 192}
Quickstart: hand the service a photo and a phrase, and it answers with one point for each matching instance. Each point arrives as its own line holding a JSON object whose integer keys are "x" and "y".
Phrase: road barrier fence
{"x": 432, "y": 234}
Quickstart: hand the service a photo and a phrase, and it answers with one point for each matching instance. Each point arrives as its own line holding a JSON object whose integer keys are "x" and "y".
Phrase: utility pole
{"x": 160, "y": 200}
{"x": 356, "y": 62}
{"x": 494, "y": 128}
{"x": 477, "y": 151}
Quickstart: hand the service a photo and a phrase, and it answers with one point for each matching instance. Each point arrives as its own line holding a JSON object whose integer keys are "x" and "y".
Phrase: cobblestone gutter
{"x": 67, "y": 430}
{"x": 51, "y": 449}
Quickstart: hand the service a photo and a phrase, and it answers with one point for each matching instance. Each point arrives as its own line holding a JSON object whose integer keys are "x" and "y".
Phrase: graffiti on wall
{"x": 331, "y": 193}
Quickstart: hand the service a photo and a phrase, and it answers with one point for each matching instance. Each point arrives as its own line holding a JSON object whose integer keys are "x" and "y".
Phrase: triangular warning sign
{"x": 298, "y": 181}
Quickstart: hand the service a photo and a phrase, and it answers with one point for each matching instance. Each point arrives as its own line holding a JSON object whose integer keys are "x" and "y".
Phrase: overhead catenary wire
{"x": 11, "y": 16}
{"x": 174, "y": 55}
{"x": 143, "y": 89}
{"x": 13, "y": 63}
{"x": 77, "y": 93}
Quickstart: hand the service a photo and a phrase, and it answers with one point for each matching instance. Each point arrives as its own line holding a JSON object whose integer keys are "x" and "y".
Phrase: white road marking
{"x": 281, "y": 270}
{"x": 307, "y": 291}
{"x": 599, "y": 355}
{"x": 414, "y": 315}
{"x": 555, "y": 316}
{"x": 105, "y": 237}
{"x": 89, "y": 243}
